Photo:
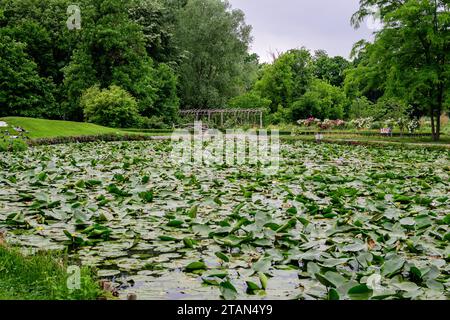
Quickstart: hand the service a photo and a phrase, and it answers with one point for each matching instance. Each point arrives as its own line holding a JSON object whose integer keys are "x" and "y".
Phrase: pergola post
{"x": 240, "y": 115}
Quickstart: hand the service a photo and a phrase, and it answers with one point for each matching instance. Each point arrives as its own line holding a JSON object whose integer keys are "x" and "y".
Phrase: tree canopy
{"x": 409, "y": 58}
{"x": 172, "y": 54}
{"x": 215, "y": 42}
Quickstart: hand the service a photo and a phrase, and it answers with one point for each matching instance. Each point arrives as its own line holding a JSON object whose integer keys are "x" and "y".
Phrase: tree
{"x": 364, "y": 79}
{"x": 41, "y": 25}
{"x": 112, "y": 51}
{"x": 330, "y": 69}
{"x": 361, "y": 107}
{"x": 250, "y": 100}
{"x": 322, "y": 100}
{"x": 158, "y": 21}
{"x": 112, "y": 47}
{"x": 22, "y": 91}
{"x": 287, "y": 79}
{"x": 215, "y": 41}
{"x": 412, "y": 52}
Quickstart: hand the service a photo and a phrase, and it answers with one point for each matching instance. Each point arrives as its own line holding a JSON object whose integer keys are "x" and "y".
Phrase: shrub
{"x": 413, "y": 125}
{"x": 112, "y": 107}
{"x": 326, "y": 124}
{"x": 377, "y": 125}
{"x": 362, "y": 123}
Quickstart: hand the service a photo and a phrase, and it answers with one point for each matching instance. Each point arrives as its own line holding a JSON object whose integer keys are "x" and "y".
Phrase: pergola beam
{"x": 198, "y": 113}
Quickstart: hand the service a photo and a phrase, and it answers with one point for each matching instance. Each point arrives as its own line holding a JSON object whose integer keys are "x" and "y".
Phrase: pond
{"x": 334, "y": 222}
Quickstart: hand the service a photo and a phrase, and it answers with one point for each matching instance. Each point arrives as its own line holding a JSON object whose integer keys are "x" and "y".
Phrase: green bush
{"x": 112, "y": 107}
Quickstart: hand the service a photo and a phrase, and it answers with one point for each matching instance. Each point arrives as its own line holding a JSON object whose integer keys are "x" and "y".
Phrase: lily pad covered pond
{"x": 336, "y": 222}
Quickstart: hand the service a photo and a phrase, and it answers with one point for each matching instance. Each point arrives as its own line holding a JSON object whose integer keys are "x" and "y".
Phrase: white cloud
{"x": 280, "y": 25}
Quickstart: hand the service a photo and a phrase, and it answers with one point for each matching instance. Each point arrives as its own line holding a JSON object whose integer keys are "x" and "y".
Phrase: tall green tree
{"x": 363, "y": 79}
{"x": 42, "y": 26}
{"x": 330, "y": 69}
{"x": 411, "y": 53}
{"x": 22, "y": 91}
{"x": 158, "y": 19}
{"x": 112, "y": 51}
{"x": 214, "y": 40}
{"x": 322, "y": 100}
{"x": 286, "y": 79}
{"x": 126, "y": 43}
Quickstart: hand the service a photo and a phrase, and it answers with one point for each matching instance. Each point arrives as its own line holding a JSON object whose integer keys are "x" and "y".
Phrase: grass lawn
{"x": 40, "y": 128}
{"x": 40, "y": 277}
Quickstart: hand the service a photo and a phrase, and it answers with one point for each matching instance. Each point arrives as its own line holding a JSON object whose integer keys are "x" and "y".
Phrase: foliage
{"x": 361, "y": 107}
{"x": 362, "y": 123}
{"x": 250, "y": 100}
{"x": 391, "y": 108}
{"x": 7, "y": 144}
{"x": 322, "y": 100}
{"x": 409, "y": 58}
{"x": 413, "y": 125}
{"x": 158, "y": 21}
{"x": 152, "y": 123}
{"x": 22, "y": 91}
{"x": 112, "y": 48}
{"x": 113, "y": 107}
{"x": 113, "y": 53}
{"x": 330, "y": 69}
{"x": 326, "y": 124}
{"x": 41, "y": 276}
{"x": 214, "y": 40}
{"x": 286, "y": 80}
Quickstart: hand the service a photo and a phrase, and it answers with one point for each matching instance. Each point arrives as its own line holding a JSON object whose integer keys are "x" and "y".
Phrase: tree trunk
{"x": 438, "y": 124}
{"x": 439, "y": 111}
{"x": 433, "y": 128}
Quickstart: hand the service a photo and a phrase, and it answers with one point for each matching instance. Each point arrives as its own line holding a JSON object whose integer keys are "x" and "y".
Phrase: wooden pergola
{"x": 240, "y": 115}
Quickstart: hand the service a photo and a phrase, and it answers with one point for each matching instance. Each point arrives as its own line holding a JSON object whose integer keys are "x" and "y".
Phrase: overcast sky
{"x": 280, "y": 25}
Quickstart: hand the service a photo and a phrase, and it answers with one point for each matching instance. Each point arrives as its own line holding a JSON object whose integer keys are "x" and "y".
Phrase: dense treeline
{"x": 136, "y": 62}
{"x": 161, "y": 53}
{"x": 403, "y": 74}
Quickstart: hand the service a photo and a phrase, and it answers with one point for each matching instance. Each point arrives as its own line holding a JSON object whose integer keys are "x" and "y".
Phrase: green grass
{"x": 40, "y": 128}
{"x": 41, "y": 276}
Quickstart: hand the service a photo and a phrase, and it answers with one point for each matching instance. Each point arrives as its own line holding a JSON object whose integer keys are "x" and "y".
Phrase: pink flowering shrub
{"x": 323, "y": 125}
